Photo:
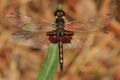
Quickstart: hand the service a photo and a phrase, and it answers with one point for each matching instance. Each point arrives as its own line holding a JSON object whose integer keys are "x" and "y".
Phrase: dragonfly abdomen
{"x": 61, "y": 54}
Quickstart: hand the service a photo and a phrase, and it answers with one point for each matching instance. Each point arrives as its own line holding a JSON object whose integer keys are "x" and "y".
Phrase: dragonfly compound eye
{"x": 59, "y": 13}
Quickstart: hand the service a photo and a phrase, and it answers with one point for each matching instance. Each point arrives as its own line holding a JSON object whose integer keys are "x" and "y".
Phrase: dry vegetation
{"x": 91, "y": 62}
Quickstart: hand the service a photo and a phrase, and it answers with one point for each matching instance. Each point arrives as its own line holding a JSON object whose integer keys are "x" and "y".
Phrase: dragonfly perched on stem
{"x": 40, "y": 35}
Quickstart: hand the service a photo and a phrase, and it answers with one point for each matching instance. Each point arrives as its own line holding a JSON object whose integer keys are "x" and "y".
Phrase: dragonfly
{"x": 59, "y": 31}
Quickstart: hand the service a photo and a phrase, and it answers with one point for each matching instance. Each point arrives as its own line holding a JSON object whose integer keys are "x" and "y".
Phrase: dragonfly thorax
{"x": 59, "y": 14}
{"x": 60, "y": 23}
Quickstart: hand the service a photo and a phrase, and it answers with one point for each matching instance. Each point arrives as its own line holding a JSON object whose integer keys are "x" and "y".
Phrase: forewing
{"x": 94, "y": 24}
{"x": 18, "y": 20}
{"x": 27, "y": 24}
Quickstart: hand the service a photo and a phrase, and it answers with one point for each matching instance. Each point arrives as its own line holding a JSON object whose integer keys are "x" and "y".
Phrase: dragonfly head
{"x": 59, "y": 13}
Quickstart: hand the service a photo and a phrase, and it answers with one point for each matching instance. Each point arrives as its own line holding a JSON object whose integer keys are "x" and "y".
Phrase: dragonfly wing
{"x": 75, "y": 42}
{"x": 90, "y": 25}
{"x": 18, "y": 20}
{"x": 35, "y": 40}
{"x": 79, "y": 39}
{"x": 43, "y": 25}
{"x": 27, "y": 24}
{"x": 21, "y": 36}
{"x": 40, "y": 41}
{"x": 83, "y": 27}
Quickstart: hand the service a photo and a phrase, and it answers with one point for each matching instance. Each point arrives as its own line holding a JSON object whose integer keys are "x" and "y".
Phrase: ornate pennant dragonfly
{"x": 59, "y": 32}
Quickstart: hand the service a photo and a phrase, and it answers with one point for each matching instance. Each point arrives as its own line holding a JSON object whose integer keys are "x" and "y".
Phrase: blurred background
{"x": 99, "y": 62}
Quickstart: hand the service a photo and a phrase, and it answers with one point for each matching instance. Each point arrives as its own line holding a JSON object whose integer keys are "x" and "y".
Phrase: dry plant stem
{"x": 14, "y": 71}
{"x": 2, "y": 6}
{"x": 3, "y": 39}
{"x": 47, "y": 12}
{"x": 105, "y": 7}
{"x": 115, "y": 27}
{"x": 72, "y": 61}
{"x": 23, "y": 7}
